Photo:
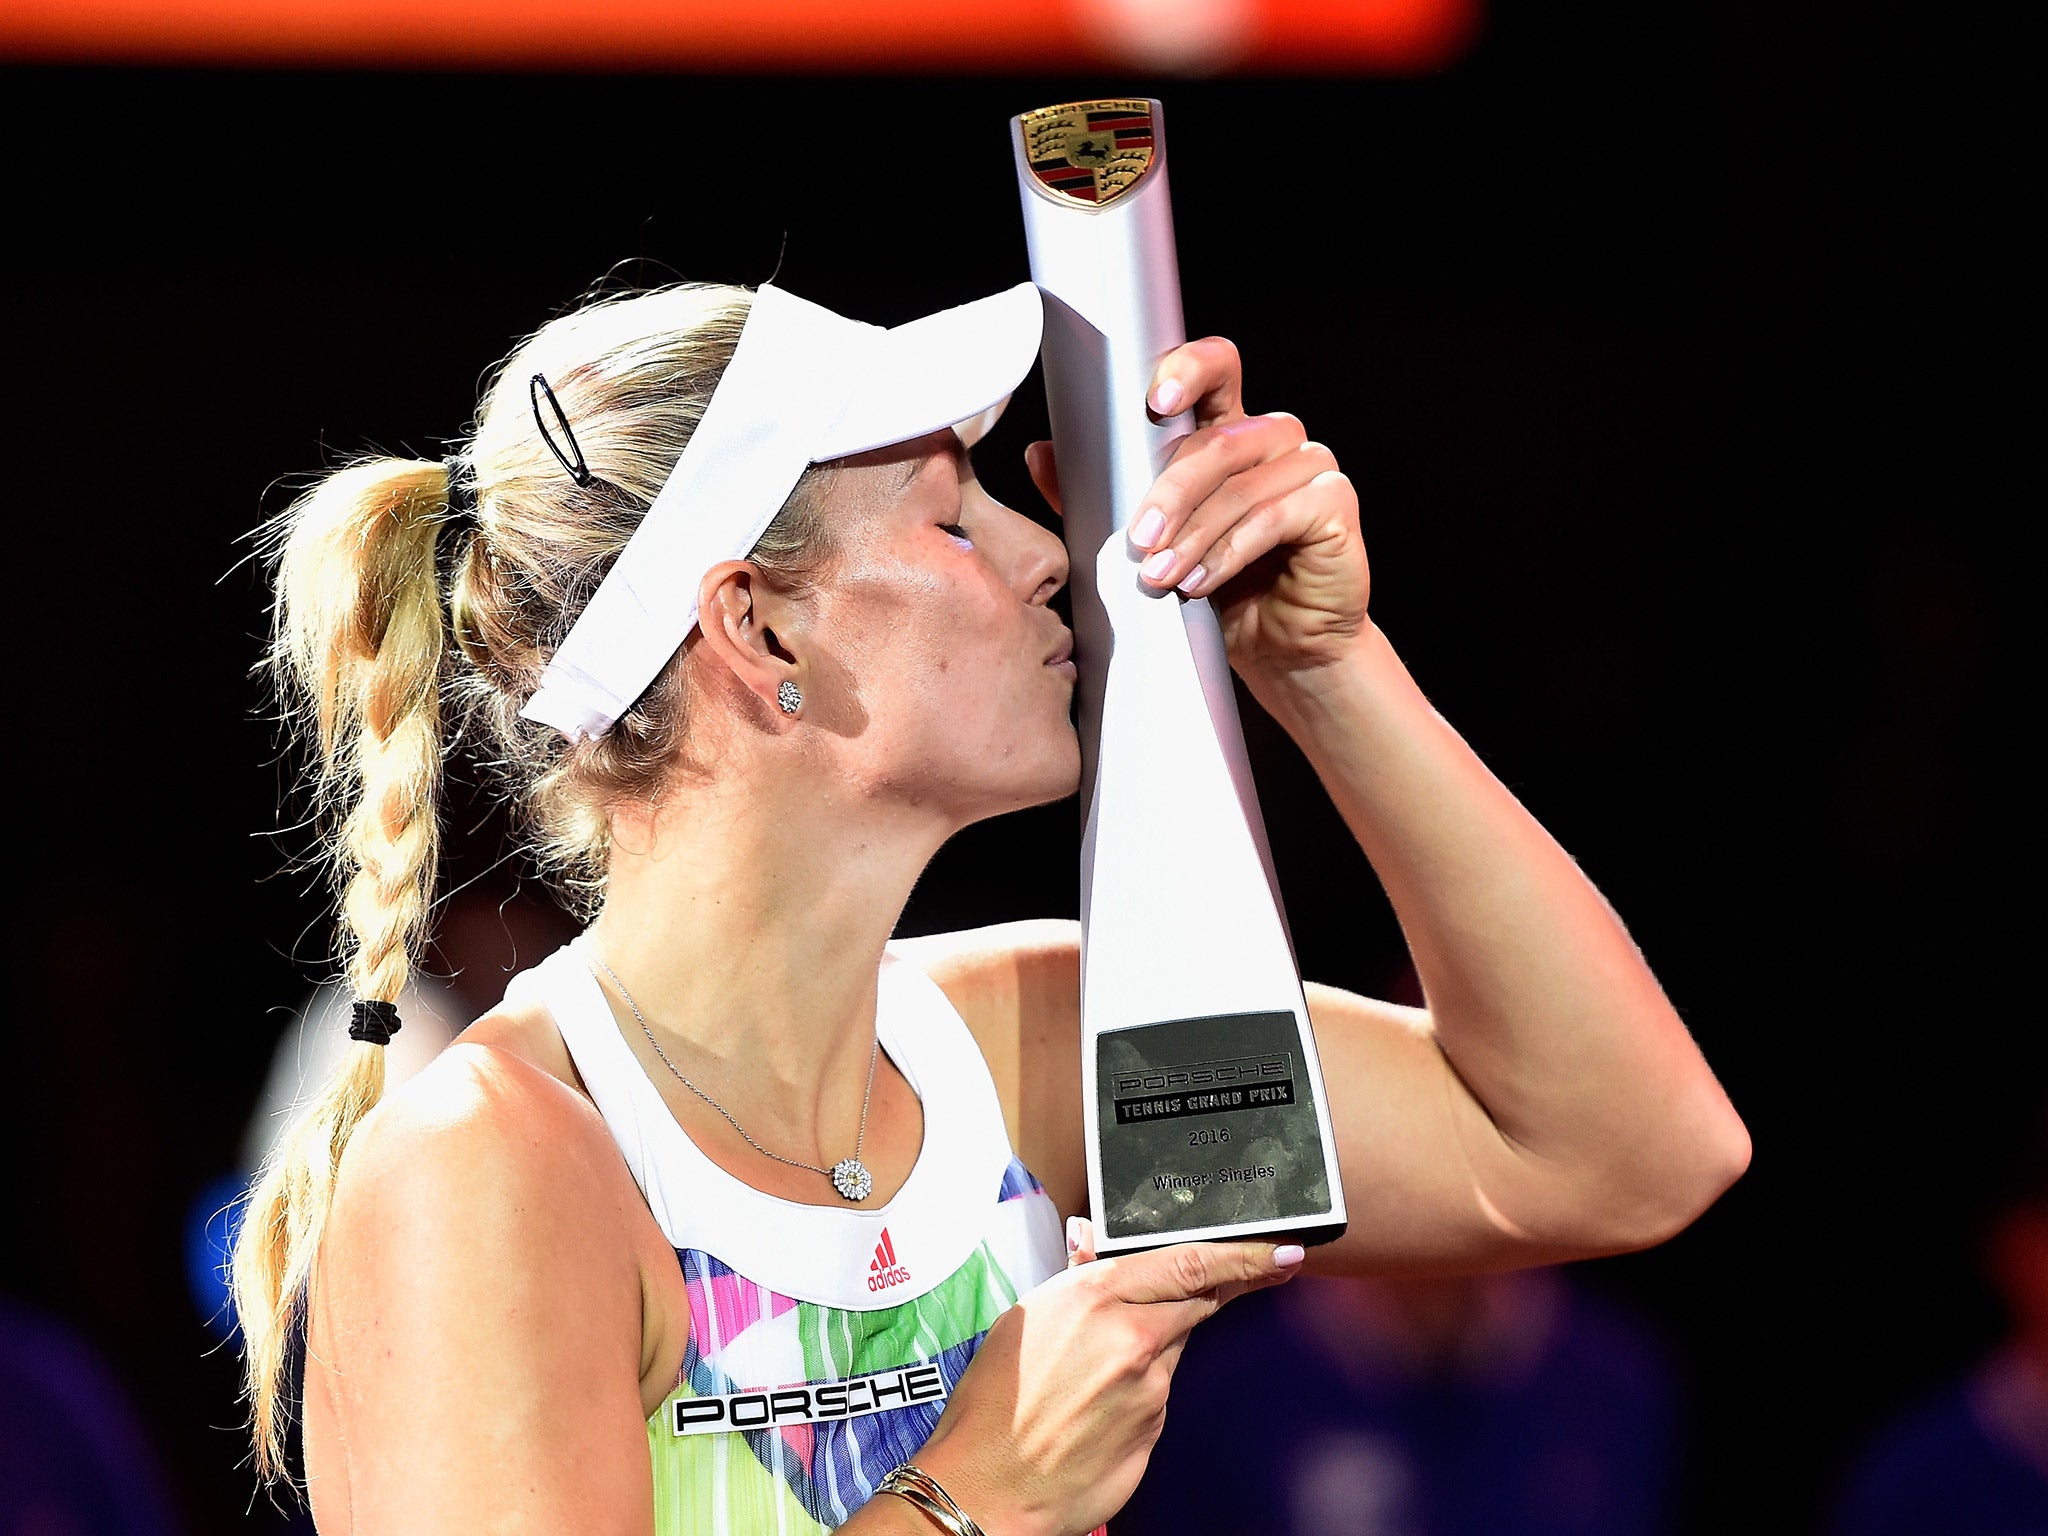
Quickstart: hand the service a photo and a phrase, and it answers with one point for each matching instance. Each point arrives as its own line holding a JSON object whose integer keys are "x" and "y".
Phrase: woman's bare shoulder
{"x": 527, "y": 1032}
{"x": 993, "y": 956}
{"x": 482, "y": 1120}
{"x": 1018, "y": 986}
{"x": 479, "y": 1301}
{"x": 506, "y": 1083}
{"x": 485, "y": 1174}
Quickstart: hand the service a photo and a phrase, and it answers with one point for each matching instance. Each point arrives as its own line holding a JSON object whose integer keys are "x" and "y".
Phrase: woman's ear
{"x": 750, "y": 628}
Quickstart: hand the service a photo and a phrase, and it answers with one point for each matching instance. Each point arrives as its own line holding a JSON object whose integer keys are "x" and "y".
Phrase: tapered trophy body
{"x": 1204, "y": 1096}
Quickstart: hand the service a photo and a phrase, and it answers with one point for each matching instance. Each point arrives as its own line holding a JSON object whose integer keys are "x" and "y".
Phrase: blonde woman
{"x": 735, "y": 1214}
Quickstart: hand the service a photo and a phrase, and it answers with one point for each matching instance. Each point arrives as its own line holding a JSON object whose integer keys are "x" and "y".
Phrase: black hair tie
{"x": 461, "y": 493}
{"x": 374, "y": 1023}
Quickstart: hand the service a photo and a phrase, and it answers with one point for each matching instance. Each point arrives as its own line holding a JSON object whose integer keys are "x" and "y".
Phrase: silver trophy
{"x": 1204, "y": 1095}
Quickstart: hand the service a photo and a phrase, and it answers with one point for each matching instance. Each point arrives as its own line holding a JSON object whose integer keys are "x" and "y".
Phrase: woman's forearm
{"x": 887, "y": 1515}
{"x": 1541, "y": 1002}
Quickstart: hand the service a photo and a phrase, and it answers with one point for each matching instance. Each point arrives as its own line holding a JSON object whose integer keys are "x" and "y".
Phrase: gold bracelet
{"x": 917, "y": 1487}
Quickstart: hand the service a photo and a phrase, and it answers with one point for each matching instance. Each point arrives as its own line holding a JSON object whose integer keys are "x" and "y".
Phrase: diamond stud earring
{"x": 789, "y": 696}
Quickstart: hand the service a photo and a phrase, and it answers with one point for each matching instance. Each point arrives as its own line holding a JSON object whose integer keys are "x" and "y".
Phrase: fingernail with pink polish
{"x": 1167, "y": 397}
{"x": 1194, "y": 578}
{"x": 1146, "y": 530}
{"x": 1156, "y": 566}
{"x": 1073, "y": 1234}
{"x": 1287, "y": 1255}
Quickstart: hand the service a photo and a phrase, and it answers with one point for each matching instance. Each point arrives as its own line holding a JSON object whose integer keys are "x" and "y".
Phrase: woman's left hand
{"x": 1250, "y": 514}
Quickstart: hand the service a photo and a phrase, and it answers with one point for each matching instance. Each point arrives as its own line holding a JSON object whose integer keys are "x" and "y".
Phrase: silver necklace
{"x": 849, "y": 1175}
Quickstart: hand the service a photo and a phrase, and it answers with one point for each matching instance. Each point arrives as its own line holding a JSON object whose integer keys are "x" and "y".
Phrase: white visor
{"x": 804, "y": 386}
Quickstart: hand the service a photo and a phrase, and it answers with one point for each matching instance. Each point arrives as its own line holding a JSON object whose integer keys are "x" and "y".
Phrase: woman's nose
{"x": 1046, "y": 563}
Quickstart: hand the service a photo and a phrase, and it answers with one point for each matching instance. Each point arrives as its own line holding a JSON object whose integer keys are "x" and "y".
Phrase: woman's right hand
{"x": 1051, "y": 1425}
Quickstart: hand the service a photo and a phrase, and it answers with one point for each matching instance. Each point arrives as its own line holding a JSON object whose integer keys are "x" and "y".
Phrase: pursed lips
{"x": 1061, "y": 660}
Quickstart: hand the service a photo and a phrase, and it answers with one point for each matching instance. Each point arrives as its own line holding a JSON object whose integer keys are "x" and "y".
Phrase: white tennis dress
{"x": 823, "y": 1339}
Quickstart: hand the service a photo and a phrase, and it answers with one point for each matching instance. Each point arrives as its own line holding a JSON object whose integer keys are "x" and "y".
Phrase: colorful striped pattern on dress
{"x": 807, "y": 1478}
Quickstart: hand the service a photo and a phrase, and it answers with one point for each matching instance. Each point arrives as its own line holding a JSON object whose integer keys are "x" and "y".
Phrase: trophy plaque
{"x": 1204, "y": 1097}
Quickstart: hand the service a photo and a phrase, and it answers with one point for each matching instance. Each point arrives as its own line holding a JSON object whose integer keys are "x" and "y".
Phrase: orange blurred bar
{"x": 1193, "y": 36}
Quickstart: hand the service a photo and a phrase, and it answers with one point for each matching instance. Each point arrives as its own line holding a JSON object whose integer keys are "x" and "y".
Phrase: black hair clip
{"x": 374, "y": 1023}
{"x": 578, "y": 470}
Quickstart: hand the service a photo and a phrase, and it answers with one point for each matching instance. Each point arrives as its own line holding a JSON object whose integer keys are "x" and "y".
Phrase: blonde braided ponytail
{"x": 367, "y": 660}
{"x": 357, "y": 651}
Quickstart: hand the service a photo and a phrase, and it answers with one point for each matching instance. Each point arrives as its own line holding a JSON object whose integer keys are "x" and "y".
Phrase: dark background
{"x": 1667, "y": 349}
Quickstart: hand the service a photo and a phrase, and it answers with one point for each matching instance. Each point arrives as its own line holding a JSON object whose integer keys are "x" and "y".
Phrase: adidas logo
{"x": 884, "y": 1271}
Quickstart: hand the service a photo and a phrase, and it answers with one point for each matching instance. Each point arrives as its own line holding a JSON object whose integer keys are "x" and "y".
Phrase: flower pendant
{"x": 852, "y": 1179}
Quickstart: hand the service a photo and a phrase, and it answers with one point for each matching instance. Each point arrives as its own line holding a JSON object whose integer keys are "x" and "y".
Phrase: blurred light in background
{"x": 1178, "y": 36}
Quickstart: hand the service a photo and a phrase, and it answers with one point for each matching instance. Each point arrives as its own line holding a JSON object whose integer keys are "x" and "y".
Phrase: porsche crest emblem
{"x": 1090, "y": 152}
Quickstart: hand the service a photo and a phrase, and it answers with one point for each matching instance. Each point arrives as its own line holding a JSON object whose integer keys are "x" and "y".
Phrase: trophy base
{"x": 1308, "y": 1237}
{"x": 1209, "y": 1128}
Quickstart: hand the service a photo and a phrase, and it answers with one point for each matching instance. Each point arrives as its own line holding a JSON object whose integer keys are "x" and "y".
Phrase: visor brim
{"x": 940, "y": 371}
